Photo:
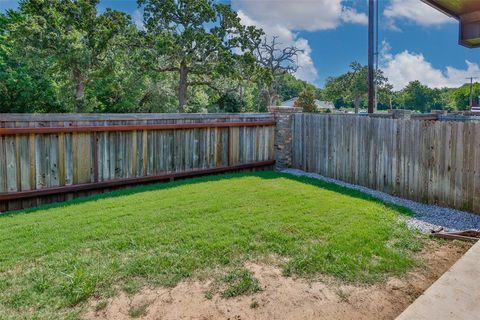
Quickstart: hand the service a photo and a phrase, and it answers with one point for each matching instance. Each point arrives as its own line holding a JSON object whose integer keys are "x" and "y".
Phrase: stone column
{"x": 283, "y": 135}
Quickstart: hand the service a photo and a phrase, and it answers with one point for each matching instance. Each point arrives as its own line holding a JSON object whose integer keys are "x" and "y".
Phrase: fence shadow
{"x": 209, "y": 178}
{"x": 346, "y": 191}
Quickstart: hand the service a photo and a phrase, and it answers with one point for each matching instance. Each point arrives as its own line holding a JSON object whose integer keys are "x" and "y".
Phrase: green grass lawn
{"x": 54, "y": 258}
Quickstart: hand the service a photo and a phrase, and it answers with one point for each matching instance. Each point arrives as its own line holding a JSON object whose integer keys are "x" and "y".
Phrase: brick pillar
{"x": 283, "y": 135}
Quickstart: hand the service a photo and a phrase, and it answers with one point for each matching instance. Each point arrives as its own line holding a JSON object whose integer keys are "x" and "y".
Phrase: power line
{"x": 377, "y": 4}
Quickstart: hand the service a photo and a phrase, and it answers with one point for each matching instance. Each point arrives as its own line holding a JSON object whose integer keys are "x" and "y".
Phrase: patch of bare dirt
{"x": 287, "y": 298}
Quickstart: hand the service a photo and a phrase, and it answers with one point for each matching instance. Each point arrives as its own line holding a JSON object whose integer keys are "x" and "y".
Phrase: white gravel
{"x": 426, "y": 218}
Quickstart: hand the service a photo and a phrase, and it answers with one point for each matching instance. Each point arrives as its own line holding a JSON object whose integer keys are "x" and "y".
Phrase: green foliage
{"x": 334, "y": 91}
{"x": 138, "y": 311}
{"x": 350, "y": 90}
{"x": 25, "y": 81}
{"x": 78, "y": 41}
{"x": 459, "y": 99}
{"x": 240, "y": 282}
{"x": 357, "y": 81}
{"x": 352, "y": 86}
{"x": 337, "y": 90}
{"x": 291, "y": 87}
{"x": 416, "y": 96}
{"x": 230, "y": 102}
{"x": 101, "y": 305}
{"x": 385, "y": 97}
{"x": 192, "y": 56}
{"x": 196, "y": 39}
{"x": 67, "y": 56}
{"x": 159, "y": 95}
{"x": 55, "y": 258}
{"x": 306, "y": 101}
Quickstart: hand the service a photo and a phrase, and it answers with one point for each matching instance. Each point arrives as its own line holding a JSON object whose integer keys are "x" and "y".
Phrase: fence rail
{"x": 63, "y": 156}
{"x": 7, "y": 131}
{"x": 435, "y": 162}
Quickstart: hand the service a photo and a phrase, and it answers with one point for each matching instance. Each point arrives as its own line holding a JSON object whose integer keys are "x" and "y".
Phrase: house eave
{"x": 439, "y": 7}
{"x": 467, "y": 12}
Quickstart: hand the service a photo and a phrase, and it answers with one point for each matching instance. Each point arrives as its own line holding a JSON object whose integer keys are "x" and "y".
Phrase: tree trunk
{"x": 182, "y": 87}
{"x": 357, "y": 103}
{"x": 79, "y": 90}
{"x": 242, "y": 104}
{"x": 272, "y": 97}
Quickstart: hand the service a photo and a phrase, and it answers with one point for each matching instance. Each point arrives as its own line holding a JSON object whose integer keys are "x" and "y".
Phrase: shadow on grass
{"x": 210, "y": 178}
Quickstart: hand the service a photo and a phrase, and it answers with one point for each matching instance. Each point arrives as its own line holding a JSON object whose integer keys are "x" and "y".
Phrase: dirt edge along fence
{"x": 55, "y": 157}
{"x": 433, "y": 159}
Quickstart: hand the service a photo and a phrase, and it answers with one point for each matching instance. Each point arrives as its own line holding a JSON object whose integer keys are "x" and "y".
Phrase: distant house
{"x": 321, "y": 105}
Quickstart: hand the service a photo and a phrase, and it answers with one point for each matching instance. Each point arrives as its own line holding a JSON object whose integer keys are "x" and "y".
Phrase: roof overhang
{"x": 467, "y": 12}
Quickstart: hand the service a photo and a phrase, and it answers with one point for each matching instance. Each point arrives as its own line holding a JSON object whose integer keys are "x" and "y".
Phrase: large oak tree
{"x": 197, "y": 39}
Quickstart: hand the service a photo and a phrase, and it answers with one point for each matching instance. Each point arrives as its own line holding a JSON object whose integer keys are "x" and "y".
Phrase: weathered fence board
{"x": 435, "y": 162}
{"x": 58, "y": 154}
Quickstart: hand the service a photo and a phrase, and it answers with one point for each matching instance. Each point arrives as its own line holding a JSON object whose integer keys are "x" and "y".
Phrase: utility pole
{"x": 376, "y": 54}
{"x": 471, "y": 92}
{"x": 371, "y": 40}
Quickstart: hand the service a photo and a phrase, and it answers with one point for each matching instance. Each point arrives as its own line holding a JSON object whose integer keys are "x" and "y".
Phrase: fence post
{"x": 283, "y": 134}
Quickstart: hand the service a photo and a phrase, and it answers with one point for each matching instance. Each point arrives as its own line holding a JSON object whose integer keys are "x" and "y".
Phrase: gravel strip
{"x": 426, "y": 218}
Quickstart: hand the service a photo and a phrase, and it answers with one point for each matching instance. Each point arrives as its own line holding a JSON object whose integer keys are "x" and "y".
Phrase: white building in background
{"x": 321, "y": 105}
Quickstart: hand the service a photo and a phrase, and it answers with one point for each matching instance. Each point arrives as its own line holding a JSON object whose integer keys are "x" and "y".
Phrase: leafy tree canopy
{"x": 196, "y": 39}
{"x": 306, "y": 101}
{"x": 192, "y": 56}
{"x": 352, "y": 86}
{"x": 74, "y": 37}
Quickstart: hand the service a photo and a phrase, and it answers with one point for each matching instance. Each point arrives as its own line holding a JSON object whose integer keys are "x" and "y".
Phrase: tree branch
{"x": 167, "y": 69}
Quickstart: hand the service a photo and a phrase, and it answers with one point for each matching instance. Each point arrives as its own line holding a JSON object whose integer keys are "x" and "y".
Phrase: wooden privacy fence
{"x": 45, "y": 158}
{"x": 435, "y": 162}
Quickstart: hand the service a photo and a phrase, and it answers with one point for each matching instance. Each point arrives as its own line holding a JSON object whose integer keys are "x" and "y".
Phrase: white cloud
{"x": 415, "y": 11}
{"x": 308, "y": 15}
{"x": 307, "y": 70}
{"x": 137, "y": 18}
{"x": 283, "y": 18}
{"x": 404, "y": 67}
{"x": 352, "y": 16}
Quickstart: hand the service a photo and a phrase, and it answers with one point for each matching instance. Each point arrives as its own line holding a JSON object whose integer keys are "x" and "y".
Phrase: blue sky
{"x": 418, "y": 43}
